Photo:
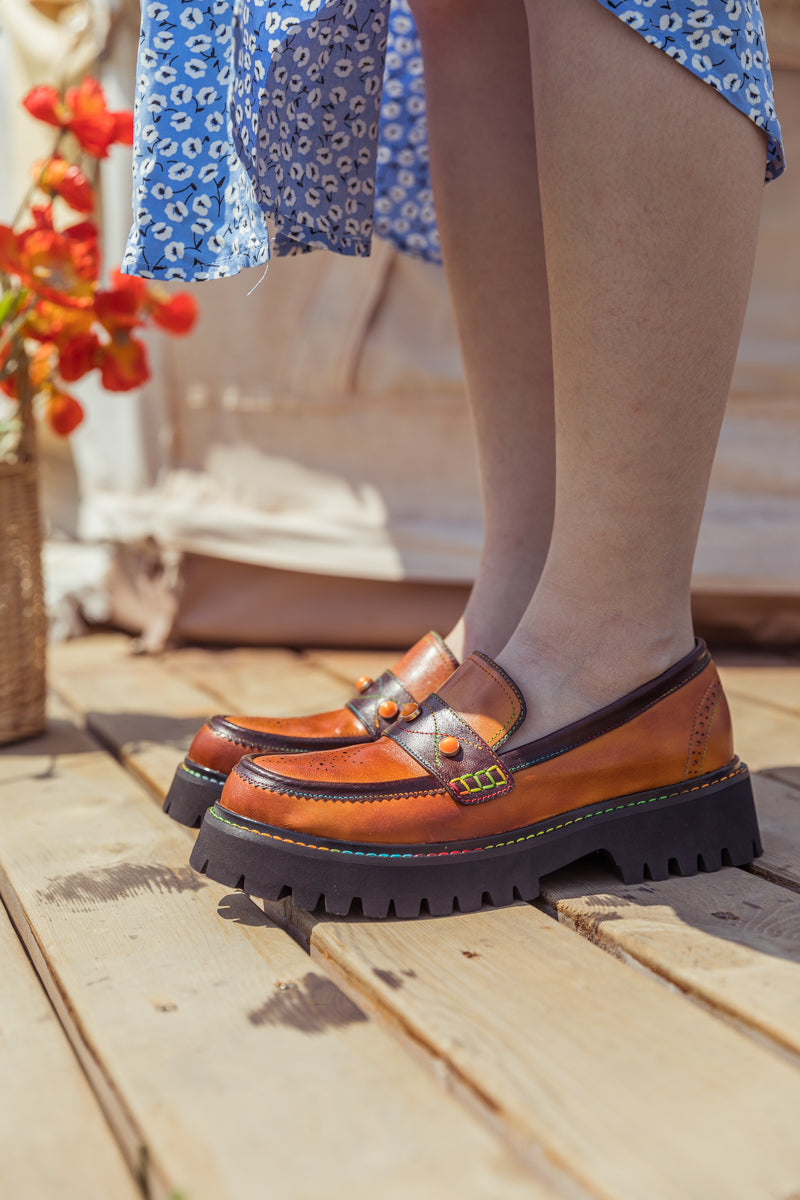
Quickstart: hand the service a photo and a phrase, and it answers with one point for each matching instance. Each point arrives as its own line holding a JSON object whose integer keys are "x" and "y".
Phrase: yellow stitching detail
{"x": 475, "y": 776}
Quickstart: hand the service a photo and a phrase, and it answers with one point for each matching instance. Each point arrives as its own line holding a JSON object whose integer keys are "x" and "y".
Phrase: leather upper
{"x": 223, "y": 740}
{"x": 397, "y": 790}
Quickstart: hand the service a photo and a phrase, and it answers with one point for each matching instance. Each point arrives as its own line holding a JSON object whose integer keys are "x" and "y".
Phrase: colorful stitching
{"x": 466, "y": 737}
{"x": 199, "y": 775}
{"x": 480, "y": 787}
{"x": 474, "y": 849}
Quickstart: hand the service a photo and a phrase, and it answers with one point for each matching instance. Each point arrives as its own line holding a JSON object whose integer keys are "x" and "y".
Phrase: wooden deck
{"x": 162, "y": 1036}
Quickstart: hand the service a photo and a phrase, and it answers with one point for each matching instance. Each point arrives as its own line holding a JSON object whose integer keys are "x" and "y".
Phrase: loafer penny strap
{"x": 449, "y": 749}
{"x": 379, "y": 702}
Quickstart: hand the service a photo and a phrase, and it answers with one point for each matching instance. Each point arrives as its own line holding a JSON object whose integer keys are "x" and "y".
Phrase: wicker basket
{"x": 23, "y": 623}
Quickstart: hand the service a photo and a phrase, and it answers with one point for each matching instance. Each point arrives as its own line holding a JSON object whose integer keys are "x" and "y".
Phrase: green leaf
{"x": 8, "y": 303}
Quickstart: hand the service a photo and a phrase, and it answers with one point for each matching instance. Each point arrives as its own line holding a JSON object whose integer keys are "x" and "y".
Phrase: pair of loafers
{"x": 406, "y": 801}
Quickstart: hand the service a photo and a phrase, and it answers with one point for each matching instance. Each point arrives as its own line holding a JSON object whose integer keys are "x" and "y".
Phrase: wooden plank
{"x": 276, "y": 683}
{"x": 145, "y": 711}
{"x": 788, "y": 775}
{"x": 766, "y": 737}
{"x": 637, "y": 1090}
{"x": 533, "y": 1127}
{"x": 775, "y": 683}
{"x": 148, "y": 709}
{"x": 227, "y": 1062}
{"x": 350, "y": 665}
{"x": 729, "y": 939}
{"x": 46, "y": 1100}
{"x": 779, "y": 817}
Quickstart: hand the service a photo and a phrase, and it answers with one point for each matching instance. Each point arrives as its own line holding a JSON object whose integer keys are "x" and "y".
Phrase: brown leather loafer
{"x": 222, "y": 741}
{"x": 436, "y": 815}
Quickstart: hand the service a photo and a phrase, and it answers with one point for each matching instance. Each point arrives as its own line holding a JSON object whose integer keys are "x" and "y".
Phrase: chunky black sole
{"x": 700, "y": 824}
{"x": 192, "y": 792}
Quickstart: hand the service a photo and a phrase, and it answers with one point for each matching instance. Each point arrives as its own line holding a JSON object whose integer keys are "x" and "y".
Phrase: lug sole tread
{"x": 713, "y": 826}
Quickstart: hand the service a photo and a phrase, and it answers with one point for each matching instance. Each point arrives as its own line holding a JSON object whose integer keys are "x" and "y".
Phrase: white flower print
{"x": 313, "y": 112}
{"x": 191, "y": 18}
{"x": 177, "y": 211}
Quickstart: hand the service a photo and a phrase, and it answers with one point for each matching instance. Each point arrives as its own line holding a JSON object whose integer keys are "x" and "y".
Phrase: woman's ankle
{"x": 569, "y": 674}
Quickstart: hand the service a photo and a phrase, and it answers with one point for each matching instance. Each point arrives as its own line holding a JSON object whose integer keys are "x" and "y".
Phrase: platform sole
{"x": 192, "y": 792}
{"x": 701, "y": 824}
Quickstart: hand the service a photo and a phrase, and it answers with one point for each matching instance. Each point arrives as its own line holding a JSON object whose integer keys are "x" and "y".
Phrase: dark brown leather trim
{"x": 365, "y": 706}
{"x": 612, "y": 716}
{"x": 258, "y": 742}
{"x": 472, "y": 776}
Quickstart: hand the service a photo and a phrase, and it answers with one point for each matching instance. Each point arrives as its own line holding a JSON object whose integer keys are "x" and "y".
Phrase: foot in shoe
{"x": 440, "y": 812}
{"x": 222, "y": 741}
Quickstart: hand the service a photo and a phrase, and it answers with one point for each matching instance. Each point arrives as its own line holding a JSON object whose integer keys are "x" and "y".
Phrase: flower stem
{"x": 33, "y": 188}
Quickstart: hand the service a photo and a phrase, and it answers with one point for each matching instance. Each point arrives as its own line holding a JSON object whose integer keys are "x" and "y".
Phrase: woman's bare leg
{"x": 650, "y": 188}
{"x": 477, "y": 68}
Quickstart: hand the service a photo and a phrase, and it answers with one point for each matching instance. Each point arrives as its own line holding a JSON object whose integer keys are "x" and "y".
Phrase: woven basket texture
{"x": 23, "y": 621}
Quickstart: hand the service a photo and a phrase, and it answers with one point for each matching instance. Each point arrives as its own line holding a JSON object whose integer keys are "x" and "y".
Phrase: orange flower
{"x": 84, "y": 113}
{"x": 44, "y": 103}
{"x": 121, "y": 305}
{"x": 57, "y": 177}
{"x": 52, "y": 322}
{"x": 64, "y": 324}
{"x": 59, "y": 266}
{"x": 64, "y": 413}
{"x": 77, "y": 356}
{"x": 123, "y": 363}
{"x": 177, "y": 313}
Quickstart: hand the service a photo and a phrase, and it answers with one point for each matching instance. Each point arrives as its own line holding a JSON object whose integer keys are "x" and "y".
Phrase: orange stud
{"x": 388, "y": 710}
{"x": 449, "y": 746}
{"x": 410, "y": 711}
{"x": 363, "y": 683}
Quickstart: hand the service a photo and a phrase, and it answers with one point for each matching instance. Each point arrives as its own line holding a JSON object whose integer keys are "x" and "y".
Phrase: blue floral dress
{"x": 312, "y": 113}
